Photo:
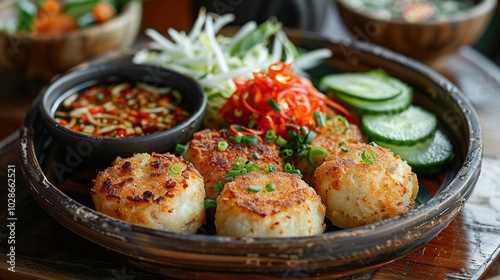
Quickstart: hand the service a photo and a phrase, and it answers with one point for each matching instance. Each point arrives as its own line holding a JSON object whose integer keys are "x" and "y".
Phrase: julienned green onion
{"x": 210, "y": 203}
{"x": 316, "y": 154}
{"x": 344, "y": 122}
{"x": 320, "y": 118}
{"x": 179, "y": 149}
{"x": 175, "y": 169}
{"x": 253, "y": 189}
{"x": 270, "y": 135}
{"x": 218, "y": 187}
{"x": 222, "y": 146}
{"x": 368, "y": 157}
{"x": 343, "y": 147}
{"x": 274, "y": 105}
{"x": 270, "y": 187}
{"x": 280, "y": 141}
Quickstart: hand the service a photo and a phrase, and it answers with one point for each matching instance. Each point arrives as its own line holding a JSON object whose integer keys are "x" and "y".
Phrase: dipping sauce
{"x": 412, "y": 10}
{"x": 122, "y": 110}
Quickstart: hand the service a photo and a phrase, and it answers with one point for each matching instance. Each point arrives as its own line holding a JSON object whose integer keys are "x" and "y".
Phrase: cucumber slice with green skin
{"x": 361, "y": 85}
{"x": 406, "y": 128}
{"x": 428, "y": 157}
{"x": 392, "y": 106}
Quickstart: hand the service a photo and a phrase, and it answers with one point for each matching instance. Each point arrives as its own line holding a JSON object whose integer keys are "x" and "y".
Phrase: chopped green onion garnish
{"x": 175, "y": 169}
{"x": 233, "y": 173}
{"x": 316, "y": 154}
{"x": 372, "y": 143}
{"x": 271, "y": 168}
{"x": 343, "y": 147}
{"x": 250, "y": 139}
{"x": 276, "y": 107}
{"x": 251, "y": 167}
{"x": 320, "y": 118}
{"x": 286, "y": 153}
{"x": 239, "y": 163}
{"x": 288, "y": 167}
{"x": 310, "y": 136}
{"x": 253, "y": 189}
{"x": 218, "y": 187}
{"x": 238, "y": 137}
{"x": 368, "y": 157}
{"x": 222, "y": 146}
{"x": 210, "y": 203}
{"x": 270, "y": 187}
{"x": 256, "y": 156}
{"x": 280, "y": 141}
{"x": 179, "y": 149}
{"x": 251, "y": 124}
{"x": 344, "y": 121}
{"x": 270, "y": 135}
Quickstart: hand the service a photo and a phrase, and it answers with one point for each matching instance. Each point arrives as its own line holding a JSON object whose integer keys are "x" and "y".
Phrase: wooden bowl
{"x": 426, "y": 40}
{"x": 41, "y": 56}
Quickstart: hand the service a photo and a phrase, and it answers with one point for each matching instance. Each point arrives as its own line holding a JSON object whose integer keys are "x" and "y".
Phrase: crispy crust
{"x": 213, "y": 164}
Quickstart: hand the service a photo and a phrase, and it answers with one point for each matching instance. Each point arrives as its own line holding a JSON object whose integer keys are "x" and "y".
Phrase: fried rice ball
{"x": 329, "y": 138}
{"x": 362, "y": 184}
{"x": 159, "y": 191}
{"x": 213, "y": 164}
{"x": 246, "y": 207}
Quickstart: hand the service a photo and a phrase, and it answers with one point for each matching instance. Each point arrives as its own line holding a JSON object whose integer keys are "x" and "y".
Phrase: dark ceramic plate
{"x": 61, "y": 187}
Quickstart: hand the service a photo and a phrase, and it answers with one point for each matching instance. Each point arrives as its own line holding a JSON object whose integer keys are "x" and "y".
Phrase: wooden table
{"x": 467, "y": 249}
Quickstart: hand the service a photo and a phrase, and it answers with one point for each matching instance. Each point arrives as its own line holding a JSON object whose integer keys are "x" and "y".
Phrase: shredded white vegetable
{"x": 210, "y": 58}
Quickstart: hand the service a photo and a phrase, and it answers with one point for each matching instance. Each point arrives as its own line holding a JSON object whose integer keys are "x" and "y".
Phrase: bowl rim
{"x": 122, "y": 19}
{"x": 95, "y": 70}
{"x": 442, "y": 208}
{"x": 482, "y": 8}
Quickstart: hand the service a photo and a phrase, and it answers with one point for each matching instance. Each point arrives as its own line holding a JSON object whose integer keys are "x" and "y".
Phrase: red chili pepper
{"x": 133, "y": 113}
{"x": 85, "y": 118}
{"x": 121, "y": 133}
{"x": 295, "y": 96}
{"x": 93, "y": 110}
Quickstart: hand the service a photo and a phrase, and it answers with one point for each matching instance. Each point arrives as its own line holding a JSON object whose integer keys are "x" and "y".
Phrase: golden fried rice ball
{"x": 357, "y": 193}
{"x": 159, "y": 191}
{"x": 213, "y": 164}
{"x": 329, "y": 138}
{"x": 292, "y": 209}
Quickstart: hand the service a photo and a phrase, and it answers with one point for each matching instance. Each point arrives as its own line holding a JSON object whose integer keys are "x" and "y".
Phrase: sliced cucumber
{"x": 392, "y": 106}
{"x": 406, "y": 128}
{"x": 361, "y": 85}
{"x": 428, "y": 157}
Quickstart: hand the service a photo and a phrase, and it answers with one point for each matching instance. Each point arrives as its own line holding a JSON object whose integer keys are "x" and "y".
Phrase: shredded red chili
{"x": 278, "y": 100}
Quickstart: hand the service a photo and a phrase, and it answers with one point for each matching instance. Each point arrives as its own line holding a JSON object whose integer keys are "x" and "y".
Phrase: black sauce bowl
{"x": 102, "y": 150}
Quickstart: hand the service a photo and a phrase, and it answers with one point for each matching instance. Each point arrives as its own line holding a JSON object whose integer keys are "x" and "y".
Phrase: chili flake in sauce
{"x": 122, "y": 110}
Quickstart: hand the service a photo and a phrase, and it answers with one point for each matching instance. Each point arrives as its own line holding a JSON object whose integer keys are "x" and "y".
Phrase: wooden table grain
{"x": 466, "y": 249}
